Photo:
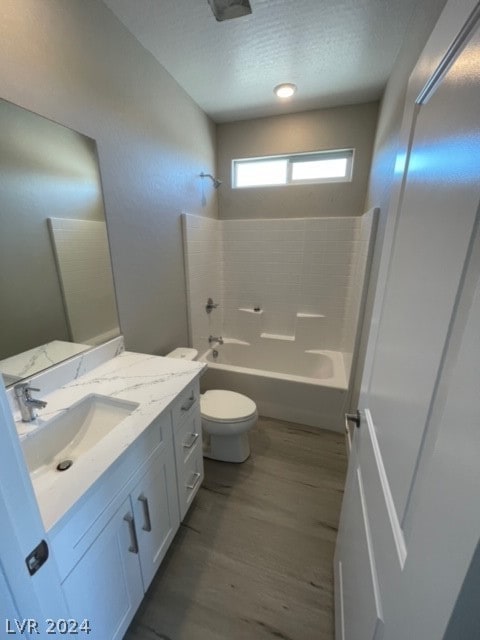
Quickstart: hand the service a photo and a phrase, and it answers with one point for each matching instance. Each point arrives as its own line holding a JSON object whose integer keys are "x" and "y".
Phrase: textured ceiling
{"x": 335, "y": 51}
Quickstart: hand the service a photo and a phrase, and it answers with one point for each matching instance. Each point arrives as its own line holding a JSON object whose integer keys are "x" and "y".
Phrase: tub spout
{"x": 212, "y": 339}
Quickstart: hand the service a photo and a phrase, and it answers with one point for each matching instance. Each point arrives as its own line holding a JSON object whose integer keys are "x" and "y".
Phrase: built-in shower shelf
{"x": 276, "y": 336}
{"x": 257, "y": 312}
{"x": 310, "y": 315}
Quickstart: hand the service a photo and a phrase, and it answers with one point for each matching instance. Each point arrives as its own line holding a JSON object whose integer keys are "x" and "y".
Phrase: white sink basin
{"x": 74, "y": 432}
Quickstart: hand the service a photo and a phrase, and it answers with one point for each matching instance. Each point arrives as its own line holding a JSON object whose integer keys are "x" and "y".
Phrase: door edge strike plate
{"x": 356, "y": 418}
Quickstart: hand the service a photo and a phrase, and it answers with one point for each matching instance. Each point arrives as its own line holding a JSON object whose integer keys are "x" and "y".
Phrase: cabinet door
{"x": 155, "y": 508}
{"x": 106, "y": 585}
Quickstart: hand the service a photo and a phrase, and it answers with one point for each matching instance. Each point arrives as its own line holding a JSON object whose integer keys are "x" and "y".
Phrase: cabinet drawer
{"x": 188, "y": 436}
{"x": 190, "y": 480}
{"x": 187, "y": 403}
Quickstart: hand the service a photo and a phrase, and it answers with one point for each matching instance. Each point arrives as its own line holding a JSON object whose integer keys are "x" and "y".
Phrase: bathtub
{"x": 286, "y": 382}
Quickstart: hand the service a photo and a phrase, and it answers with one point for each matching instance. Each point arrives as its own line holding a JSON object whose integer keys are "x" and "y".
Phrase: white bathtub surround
{"x": 203, "y": 253}
{"x": 305, "y": 387}
{"x": 262, "y": 267}
{"x": 305, "y": 276}
{"x": 153, "y": 382}
{"x": 358, "y": 283}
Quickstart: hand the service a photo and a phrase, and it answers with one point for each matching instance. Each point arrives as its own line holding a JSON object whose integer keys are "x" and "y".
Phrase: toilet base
{"x": 228, "y": 448}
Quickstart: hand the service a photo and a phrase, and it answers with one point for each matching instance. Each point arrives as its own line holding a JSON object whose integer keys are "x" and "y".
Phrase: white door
{"x": 402, "y": 483}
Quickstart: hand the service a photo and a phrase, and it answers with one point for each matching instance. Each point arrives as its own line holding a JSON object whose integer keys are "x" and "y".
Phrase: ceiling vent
{"x": 229, "y": 9}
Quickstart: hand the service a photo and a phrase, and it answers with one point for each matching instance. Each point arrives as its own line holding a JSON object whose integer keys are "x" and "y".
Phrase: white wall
{"x": 74, "y": 62}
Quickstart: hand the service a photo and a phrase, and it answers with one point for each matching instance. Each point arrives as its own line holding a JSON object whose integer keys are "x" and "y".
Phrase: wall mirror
{"x": 56, "y": 285}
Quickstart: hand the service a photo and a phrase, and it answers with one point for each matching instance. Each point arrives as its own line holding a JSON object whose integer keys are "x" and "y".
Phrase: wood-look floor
{"x": 253, "y": 558}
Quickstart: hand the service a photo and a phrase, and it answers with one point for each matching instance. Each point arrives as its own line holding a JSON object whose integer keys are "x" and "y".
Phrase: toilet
{"x": 227, "y": 417}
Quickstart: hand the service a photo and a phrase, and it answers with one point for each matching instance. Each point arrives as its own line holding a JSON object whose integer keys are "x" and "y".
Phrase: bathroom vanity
{"x": 111, "y": 516}
{"x": 115, "y": 457}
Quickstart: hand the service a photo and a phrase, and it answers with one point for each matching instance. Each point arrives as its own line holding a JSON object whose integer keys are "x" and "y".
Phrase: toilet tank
{"x": 184, "y": 353}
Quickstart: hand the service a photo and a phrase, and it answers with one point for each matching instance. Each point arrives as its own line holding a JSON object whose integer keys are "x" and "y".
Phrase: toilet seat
{"x": 219, "y": 405}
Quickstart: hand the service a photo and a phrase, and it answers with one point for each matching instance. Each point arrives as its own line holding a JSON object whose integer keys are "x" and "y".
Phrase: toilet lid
{"x": 225, "y": 406}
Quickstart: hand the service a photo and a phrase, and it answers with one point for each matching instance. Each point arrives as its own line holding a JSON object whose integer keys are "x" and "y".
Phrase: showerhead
{"x": 216, "y": 182}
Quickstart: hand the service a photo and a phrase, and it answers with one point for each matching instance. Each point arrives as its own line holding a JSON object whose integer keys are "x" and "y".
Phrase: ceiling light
{"x": 285, "y": 90}
{"x": 228, "y": 9}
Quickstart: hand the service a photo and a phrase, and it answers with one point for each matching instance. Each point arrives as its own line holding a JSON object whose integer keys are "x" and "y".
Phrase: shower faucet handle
{"x": 210, "y": 305}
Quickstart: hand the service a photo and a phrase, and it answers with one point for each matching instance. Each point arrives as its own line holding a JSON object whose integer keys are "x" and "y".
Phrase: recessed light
{"x": 285, "y": 90}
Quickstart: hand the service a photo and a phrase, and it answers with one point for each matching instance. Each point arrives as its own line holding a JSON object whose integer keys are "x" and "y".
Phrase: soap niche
{"x": 251, "y": 323}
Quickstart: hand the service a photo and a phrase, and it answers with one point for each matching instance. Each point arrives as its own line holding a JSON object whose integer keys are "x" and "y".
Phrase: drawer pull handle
{"x": 188, "y": 444}
{"x": 147, "y": 526}
{"x": 189, "y": 404}
{"x": 133, "y": 548}
{"x": 195, "y": 480}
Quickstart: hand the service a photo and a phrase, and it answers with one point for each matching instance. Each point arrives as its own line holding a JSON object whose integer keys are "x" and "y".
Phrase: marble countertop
{"x": 151, "y": 381}
{"x": 30, "y": 362}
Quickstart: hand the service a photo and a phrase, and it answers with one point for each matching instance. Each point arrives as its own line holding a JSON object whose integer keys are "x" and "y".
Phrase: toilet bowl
{"x": 227, "y": 417}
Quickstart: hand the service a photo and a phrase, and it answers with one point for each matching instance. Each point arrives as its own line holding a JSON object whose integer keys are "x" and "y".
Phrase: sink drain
{"x": 64, "y": 465}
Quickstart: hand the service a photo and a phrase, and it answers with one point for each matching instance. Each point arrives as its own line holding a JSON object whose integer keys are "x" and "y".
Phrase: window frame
{"x": 312, "y": 156}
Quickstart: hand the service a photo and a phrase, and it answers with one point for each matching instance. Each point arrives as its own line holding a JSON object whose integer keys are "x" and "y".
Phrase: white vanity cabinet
{"x": 109, "y": 582}
{"x": 113, "y": 542}
{"x": 109, "y": 546}
{"x": 187, "y": 427}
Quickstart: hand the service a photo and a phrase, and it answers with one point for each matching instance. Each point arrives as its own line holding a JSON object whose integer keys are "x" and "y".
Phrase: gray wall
{"x": 386, "y": 147}
{"x": 74, "y": 62}
{"x": 338, "y": 128}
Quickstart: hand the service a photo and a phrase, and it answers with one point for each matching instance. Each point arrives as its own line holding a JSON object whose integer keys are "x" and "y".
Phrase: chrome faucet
{"x": 212, "y": 339}
{"x": 28, "y": 405}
